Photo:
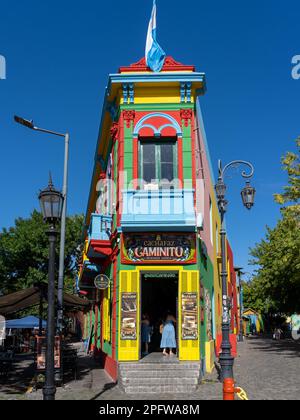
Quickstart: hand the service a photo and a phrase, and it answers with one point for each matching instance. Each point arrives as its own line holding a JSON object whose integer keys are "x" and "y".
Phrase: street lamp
{"x": 248, "y": 193}
{"x": 51, "y": 202}
{"x": 30, "y": 124}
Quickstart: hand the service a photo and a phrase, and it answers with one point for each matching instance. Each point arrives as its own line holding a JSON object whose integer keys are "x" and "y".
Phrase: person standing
{"x": 146, "y": 333}
{"x": 168, "y": 340}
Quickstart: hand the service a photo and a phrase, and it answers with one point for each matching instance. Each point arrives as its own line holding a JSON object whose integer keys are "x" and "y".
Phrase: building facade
{"x": 152, "y": 222}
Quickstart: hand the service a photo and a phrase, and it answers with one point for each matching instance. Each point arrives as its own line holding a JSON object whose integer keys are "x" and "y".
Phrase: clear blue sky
{"x": 58, "y": 56}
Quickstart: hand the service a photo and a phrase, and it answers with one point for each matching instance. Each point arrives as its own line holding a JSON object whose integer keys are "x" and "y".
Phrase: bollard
{"x": 228, "y": 389}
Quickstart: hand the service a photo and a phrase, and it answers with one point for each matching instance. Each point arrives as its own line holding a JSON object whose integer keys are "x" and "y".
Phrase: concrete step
{"x": 161, "y": 376}
{"x": 158, "y": 366}
{"x": 160, "y": 373}
{"x": 159, "y": 381}
{"x": 161, "y": 389}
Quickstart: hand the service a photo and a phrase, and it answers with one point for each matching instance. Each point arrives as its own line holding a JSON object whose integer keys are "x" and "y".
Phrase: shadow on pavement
{"x": 290, "y": 347}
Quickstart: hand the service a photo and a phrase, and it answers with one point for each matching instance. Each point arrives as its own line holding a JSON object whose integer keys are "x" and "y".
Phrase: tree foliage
{"x": 276, "y": 286}
{"x": 24, "y": 250}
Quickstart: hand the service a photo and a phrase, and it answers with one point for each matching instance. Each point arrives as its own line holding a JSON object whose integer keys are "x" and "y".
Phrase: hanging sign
{"x": 189, "y": 316}
{"x": 101, "y": 282}
{"x": 129, "y": 316}
{"x": 171, "y": 248}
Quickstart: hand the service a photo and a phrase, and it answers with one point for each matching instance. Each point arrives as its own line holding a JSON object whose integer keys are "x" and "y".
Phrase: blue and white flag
{"x": 155, "y": 55}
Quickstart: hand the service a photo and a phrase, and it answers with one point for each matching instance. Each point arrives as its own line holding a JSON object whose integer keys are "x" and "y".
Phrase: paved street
{"x": 266, "y": 369}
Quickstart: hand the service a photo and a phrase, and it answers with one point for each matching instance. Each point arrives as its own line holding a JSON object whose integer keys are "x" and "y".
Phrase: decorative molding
{"x": 182, "y": 92}
{"x": 125, "y": 93}
{"x": 131, "y": 93}
{"x": 186, "y": 92}
{"x": 189, "y": 92}
{"x": 114, "y": 131}
{"x": 129, "y": 116}
{"x": 169, "y": 65}
{"x": 128, "y": 93}
{"x": 171, "y": 122}
{"x": 186, "y": 115}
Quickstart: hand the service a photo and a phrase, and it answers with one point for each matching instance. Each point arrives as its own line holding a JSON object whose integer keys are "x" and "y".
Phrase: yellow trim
{"x": 209, "y": 355}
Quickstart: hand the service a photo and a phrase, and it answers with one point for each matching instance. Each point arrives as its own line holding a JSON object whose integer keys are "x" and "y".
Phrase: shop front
{"x": 161, "y": 282}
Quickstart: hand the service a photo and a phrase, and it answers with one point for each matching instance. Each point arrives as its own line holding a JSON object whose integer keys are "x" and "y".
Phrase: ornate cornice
{"x": 169, "y": 65}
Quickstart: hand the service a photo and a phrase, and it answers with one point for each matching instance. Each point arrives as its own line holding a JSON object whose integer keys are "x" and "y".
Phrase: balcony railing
{"x": 165, "y": 210}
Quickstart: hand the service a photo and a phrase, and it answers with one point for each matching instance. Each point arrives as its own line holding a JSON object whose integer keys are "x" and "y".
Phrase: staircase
{"x": 159, "y": 376}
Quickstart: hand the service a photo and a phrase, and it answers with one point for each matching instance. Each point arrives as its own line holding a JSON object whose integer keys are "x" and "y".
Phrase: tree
{"x": 276, "y": 286}
{"x": 24, "y": 253}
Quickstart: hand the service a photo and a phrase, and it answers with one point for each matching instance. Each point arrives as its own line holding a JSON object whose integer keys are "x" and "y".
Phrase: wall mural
{"x": 208, "y": 311}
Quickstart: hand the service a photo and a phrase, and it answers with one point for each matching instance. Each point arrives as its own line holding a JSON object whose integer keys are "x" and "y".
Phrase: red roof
{"x": 169, "y": 65}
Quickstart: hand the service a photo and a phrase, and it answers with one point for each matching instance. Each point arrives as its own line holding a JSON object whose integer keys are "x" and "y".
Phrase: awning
{"x": 26, "y": 322}
{"x": 26, "y": 298}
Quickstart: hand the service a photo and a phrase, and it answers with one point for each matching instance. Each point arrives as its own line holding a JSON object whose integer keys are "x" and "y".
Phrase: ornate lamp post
{"x": 51, "y": 202}
{"x": 248, "y": 193}
{"x": 30, "y": 124}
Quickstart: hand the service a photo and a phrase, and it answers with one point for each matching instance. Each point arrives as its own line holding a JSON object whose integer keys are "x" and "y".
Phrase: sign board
{"x": 102, "y": 282}
{"x": 129, "y": 316}
{"x": 171, "y": 248}
{"x": 189, "y": 316}
{"x": 41, "y": 353}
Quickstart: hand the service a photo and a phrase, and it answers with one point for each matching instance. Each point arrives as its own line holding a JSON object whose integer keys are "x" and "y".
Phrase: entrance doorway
{"x": 159, "y": 297}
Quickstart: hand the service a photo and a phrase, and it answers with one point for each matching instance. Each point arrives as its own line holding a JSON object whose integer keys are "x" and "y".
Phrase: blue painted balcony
{"x": 158, "y": 210}
{"x": 99, "y": 233}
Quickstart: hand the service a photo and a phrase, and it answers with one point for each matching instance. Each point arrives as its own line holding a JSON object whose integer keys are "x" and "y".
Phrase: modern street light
{"x": 51, "y": 202}
{"x": 238, "y": 270}
{"x": 248, "y": 193}
{"x": 30, "y": 124}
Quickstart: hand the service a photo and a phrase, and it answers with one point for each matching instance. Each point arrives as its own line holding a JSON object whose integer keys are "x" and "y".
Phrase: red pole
{"x": 228, "y": 389}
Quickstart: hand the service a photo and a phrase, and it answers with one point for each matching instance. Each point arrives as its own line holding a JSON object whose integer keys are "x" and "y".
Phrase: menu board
{"x": 129, "y": 316}
{"x": 189, "y": 316}
{"x": 41, "y": 353}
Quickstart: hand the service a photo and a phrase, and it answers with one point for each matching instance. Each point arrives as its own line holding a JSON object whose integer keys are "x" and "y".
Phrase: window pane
{"x": 166, "y": 152}
{"x": 167, "y": 171}
{"x": 148, "y": 152}
{"x": 149, "y": 171}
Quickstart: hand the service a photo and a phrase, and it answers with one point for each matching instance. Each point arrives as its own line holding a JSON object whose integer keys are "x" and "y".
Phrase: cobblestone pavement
{"x": 266, "y": 369}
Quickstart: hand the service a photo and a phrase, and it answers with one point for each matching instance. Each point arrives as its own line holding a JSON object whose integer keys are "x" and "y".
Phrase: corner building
{"x": 152, "y": 223}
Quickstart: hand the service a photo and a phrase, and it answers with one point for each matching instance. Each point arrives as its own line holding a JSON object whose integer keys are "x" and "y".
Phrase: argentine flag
{"x": 155, "y": 55}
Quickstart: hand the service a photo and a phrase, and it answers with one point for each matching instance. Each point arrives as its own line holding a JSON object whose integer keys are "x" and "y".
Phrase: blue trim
{"x": 182, "y": 92}
{"x": 174, "y": 123}
{"x": 131, "y": 93}
{"x": 189, "y": 92}
{"x": 156, "y": 77}
{"x": 125, "y": 93}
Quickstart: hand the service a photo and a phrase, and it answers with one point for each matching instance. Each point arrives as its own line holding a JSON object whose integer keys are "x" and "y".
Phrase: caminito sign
{"x": 157, "y": 248}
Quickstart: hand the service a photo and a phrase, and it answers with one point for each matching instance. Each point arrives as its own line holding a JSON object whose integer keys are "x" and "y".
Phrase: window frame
{"x": 158, "y": 164}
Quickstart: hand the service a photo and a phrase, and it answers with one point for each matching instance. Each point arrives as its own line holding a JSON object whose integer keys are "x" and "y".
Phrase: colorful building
{"x": 152, "y": 222}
